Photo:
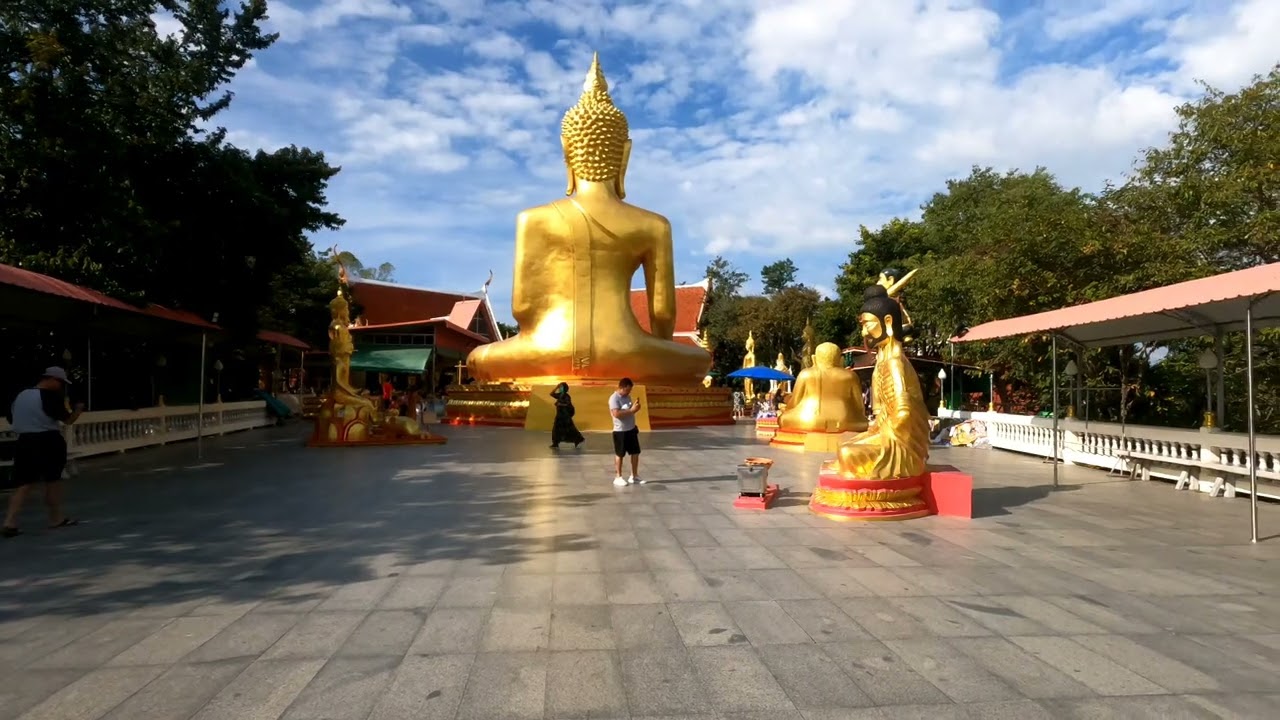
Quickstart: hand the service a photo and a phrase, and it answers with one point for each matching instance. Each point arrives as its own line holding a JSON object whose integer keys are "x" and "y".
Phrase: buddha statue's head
{"x": 881, "y": 316}
{"x": 825, "y": 355}
{"x": 597, "y": 146}
{"x": 340, "y": 310}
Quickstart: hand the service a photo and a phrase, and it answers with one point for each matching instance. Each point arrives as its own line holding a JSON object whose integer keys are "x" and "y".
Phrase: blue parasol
{"x": 761, "y": 373}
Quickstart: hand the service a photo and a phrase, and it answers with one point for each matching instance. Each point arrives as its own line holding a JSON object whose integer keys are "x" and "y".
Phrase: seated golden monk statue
{"x": 574, "y": 260}
{"x": 826, "y": 398}
{"x": 897, "y": 446}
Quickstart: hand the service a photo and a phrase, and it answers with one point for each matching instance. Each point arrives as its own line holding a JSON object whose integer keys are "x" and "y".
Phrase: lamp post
{"x": 942, "y": 388}
{"x": 1071, "y": 371}
{"x": 991, "y": 393}
{"x": 1208, "y": 361}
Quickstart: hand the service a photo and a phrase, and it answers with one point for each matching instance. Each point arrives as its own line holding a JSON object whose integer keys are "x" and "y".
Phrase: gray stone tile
{"x": 1129, "y": 708}
{"x": 99, "y": 646}
{"x": 317, "y": 635}
{"x": 823, "y": 621}
{"x": 667, "y": 558}
{"x": 174, "y": 641}
{"x": 247, "y": 637}
{"x": 23, "y": 689}
{"x": 506, "y": 686}
{"x": 882, "y": 675}
{"x": 643, "y": 626}
{"x": 810, "y": 679}
{"x": 582, "y": 627}
{"x": 585, "y": 684}
{"x": 1165, "y": 671}
{"x": 578, "y": 561}
{"x": 730, "y": 585}
{"x": 1098, "y": 613}
{"x": 631, "y": 589}
{"x": 414, "y": 592}
{"x": 425, "y": 688}
{"x": 705, "y": 624}
{"x": 683, "y": 586}
{"x": 834, "y": 582}
{"x": 1056, "y": 619}
{"x": 1008, "y": 710}
{"x": 470, "y": 591}
{"x": 784, "y": 584}
{"x": 1244, "y": 676}
{"x": 1090, "y": 669}
{"x": 514, "y": 629}
{"x": 1236, "y": 705}
{"x": 346, "y": 689}
{"x": 383, "y": 632}
{"x": 937, "y": 617}
{"x": 660, "y": 681}
{"x": 525, "y": 590}
{"x": 737, "y": 681}
{"x": 363, "y": 595}
{"x": 30, "y": 646}
{"x": 180, "y": 692}
{"x": 882, "y": 620}
{"x": 579, "y": 589}
{"x": 951, "y": 671}
{"x": 94, "y": 694}
{"x": 990, "y": 613}
{"x": 764, "y": 622}
{"x": 449, "y": 631}
{"x": 1019, "y": 669}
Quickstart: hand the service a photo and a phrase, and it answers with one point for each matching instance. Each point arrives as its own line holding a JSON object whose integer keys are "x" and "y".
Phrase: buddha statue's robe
{"x": 897, "y": 445}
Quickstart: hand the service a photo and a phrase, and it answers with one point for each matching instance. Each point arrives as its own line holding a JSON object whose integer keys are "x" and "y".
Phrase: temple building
{"x": 691, "y": 300}
{"x": 406, "y": 331}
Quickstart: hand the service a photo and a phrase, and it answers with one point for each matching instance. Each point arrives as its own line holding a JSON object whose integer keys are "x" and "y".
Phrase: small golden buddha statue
{"x": 826, "y": 398}
{"x": 781, "y": 387}
{"x": 897, "y": 446}
{"x": 810, "y": 343}
{"x": 574, "y": 260}
{"x": 748, "y": 361}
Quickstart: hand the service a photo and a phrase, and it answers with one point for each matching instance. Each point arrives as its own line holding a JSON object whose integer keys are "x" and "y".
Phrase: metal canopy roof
{"x": 1188, "y": 309}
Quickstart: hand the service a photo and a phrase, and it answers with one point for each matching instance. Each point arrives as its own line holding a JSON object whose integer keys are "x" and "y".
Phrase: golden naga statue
{"x": 810, "y": 342}
{"x": 897, "y": 446}
{"x": 341, "y": 348}
{"x": 893, "y": 287}
{"x": 749, "y": 360}
{"x": 826, "y": 398}
{"x": 574, "y": 260}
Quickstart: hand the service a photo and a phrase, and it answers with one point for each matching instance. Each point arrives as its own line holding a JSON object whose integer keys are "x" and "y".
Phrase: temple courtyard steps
{"x": 490, "y": 578}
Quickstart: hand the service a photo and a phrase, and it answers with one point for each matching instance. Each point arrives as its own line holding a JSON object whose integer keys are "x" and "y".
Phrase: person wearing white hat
{"x": 40, "y": 453}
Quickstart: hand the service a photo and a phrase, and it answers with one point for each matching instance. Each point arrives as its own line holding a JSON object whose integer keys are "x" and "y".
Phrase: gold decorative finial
{"x": 594, "y": 133}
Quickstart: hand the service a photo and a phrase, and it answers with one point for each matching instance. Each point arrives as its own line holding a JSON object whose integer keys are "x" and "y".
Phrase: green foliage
{"x": 385, "y": 272}
{"x": 508, "y": 330}
{"x": 778, "y": 276}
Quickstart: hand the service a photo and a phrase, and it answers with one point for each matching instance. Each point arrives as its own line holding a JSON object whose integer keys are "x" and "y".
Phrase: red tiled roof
{"x": 34, "y": 281}
{"x": 388, "y": 304}
{"x": 279, "y": 338}
{"x": 689, "y": 302}
{"x": 1186, "y": 309}
{"x": 180, "y": 316}
{"x": 464, "y": 312}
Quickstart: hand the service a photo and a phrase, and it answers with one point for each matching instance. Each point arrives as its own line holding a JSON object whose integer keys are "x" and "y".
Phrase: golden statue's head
{"x": 825, "y": 355}
{"x": 881, "y": 316}
{"x": 751, "y": 342}
{"x": 339, "y": 309}
{"x": 597, "y": 146}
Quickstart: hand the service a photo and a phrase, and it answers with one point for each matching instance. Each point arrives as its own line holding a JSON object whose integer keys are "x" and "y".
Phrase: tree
{"x": 508, "y": 330}
{"x": 778, "y": 275}
{"x": 726, "y": 279}
{"x": 385, "y": 272}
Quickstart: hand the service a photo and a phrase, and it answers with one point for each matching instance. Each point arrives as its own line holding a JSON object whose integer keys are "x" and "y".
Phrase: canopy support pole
{"x": 1055, "y": 411}
{"x": 88, "y": 359}
{"x": 1253, "y": 438}
{"x": 200, "y": 404}
{"x": 1221, "y": 389}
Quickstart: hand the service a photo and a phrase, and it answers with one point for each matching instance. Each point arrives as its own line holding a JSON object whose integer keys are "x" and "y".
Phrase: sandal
{"x": 66, "y": 522}
{"x": 10, "y": 532}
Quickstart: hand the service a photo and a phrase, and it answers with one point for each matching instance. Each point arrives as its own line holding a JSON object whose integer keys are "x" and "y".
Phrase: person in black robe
{"x": 563, "y": 430}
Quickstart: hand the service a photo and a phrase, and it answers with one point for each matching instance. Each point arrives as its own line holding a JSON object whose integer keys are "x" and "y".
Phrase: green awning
{"x": 412, "y": 361}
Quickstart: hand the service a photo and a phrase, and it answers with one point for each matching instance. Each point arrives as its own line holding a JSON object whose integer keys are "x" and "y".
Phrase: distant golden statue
{"x": 898, "y": 445}
{"x": 748, "y": 361}
{"x": 574, "y": 260}
{"x": 810, "y": 342}
{"x": 826, "y": 398}
{"x": 782, "y": 387}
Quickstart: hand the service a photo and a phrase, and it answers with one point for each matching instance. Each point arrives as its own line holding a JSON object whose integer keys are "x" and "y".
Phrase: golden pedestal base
{"x": 841, "y": 498}
{"x": 809, "y": 441}
{"x": 356, "y": 426}
{"x": 508, "y": 404}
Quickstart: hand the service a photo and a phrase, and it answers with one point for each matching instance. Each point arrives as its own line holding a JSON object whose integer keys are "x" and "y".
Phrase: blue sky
{"x": 762, "y": 128}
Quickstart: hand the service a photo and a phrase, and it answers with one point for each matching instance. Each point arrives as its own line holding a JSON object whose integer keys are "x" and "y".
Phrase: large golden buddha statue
{"x": 897, "y": 446}
{"x": 574, "y": 260}
{"x": 826, "y": 398}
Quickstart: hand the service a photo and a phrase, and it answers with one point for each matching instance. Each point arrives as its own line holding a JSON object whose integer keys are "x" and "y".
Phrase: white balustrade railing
{"x": 1110, "y": 446}
{"x": 98, "y": 433}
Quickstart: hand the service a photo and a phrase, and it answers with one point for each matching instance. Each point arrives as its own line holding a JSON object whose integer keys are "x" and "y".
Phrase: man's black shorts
{"x": 38, "y": 457}
{"x": 626, "y": 442}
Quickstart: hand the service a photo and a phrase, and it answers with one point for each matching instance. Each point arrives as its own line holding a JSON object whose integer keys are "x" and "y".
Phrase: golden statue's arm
{"x": 521, "y": 303}
{"x": 659, "y": 281}
{"x": 898, "y": 416}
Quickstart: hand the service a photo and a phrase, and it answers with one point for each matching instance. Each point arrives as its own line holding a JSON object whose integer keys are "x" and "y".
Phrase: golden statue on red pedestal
{"x": 347, "y": 416}
{"x": 881, "y": 473}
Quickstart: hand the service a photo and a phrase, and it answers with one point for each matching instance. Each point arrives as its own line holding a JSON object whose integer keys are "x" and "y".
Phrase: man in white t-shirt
{"x": 626, "y": 436}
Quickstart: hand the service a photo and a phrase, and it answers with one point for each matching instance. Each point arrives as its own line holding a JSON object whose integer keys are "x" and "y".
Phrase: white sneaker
{"x": 633, "y": 480}
{"x": 619, "y": 481}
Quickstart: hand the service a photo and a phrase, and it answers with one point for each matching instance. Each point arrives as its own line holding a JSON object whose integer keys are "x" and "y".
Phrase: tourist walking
{"x": 563, "y": 430}
{"x": 626, "y": 436}
{"x": 40, "y": 452}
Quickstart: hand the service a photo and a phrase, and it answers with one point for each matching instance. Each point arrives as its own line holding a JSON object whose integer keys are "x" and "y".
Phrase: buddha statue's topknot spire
{"x": 594, "y": 132}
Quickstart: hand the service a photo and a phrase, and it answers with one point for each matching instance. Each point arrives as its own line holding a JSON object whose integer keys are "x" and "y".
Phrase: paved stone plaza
{"x": 489, "y": 579}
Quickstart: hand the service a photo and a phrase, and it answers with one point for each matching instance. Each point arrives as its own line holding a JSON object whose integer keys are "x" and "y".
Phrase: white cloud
{"x": 762, "y": 128}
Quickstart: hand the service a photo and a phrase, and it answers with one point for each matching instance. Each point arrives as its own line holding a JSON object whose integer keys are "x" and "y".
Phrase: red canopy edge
{"x": 279, "y": 338}
{"x": 1196, "y": 307}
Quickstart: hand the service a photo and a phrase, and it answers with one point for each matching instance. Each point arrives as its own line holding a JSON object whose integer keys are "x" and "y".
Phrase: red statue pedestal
{"x": 842, "y": 498}
{"x": 941, "y": 490}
